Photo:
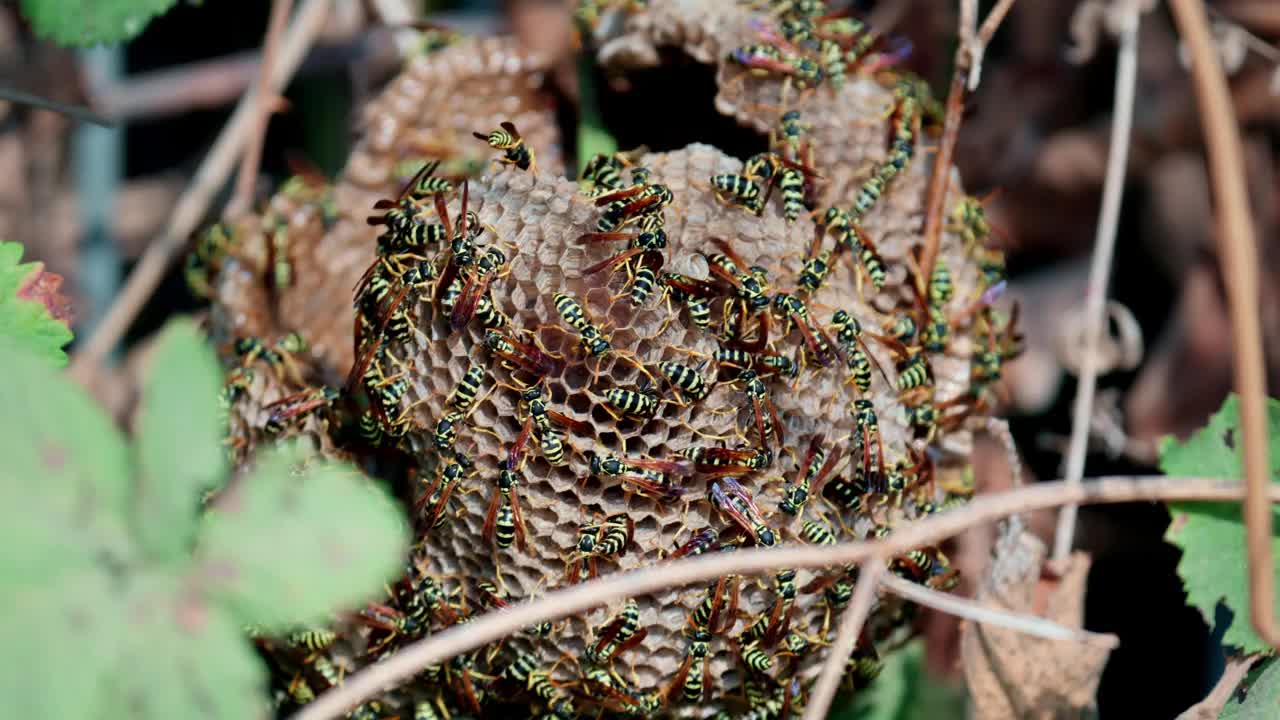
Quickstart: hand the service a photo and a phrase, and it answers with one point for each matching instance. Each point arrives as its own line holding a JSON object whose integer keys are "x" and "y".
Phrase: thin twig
{"x": 242, "y": 201}
{"x": 1100, "y": 269}
{"x": 1211, "y": 706}
{"x": 76, "y": 112}
{"x": 985, "y": 33}
{"x": 970, "y": 610}
{"x": 487, "y": 628}
{"x": 941, "y": 176}
{"x": 1239, "y": 250}
{"x": 195, "y": 200}
{"x": 824, "y": 691}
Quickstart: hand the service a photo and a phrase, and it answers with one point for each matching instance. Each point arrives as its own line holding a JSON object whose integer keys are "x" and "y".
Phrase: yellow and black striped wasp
{"x": 645, "y": 475}
{"x": 729, "y": 497}
{"x": 795, "y": 312}
{"x": 749, "y": 285}
{"x": 607, "y": 538}
{"x": 811, "y": 475}
{"x": 694, "y": 675}
{"x": 618, "y": 636}
{"x": 514, "y": 149}
{"x": 488, "y": 265}
{"x": 515, "y": 354}
{"x": 642, "y": 259}
{"x": 762, "y": 409}
{"x": 626, "y": 205}
{"x": 503, "y": 521}
{"x": 721, "y": 461}
{"x": 451, "y": 475}
{"x": 295, "y": 408}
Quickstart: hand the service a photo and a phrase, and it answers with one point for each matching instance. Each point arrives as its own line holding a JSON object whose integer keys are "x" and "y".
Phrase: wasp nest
{"x": 538, "y": 298}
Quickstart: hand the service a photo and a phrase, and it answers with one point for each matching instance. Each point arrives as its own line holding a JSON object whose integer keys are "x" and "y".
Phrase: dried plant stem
{"x": 1239, "y": 251}
{"x": 242, "y": 201}
{"x": 939, "y": 180}
{"x": 1210, "y": 707}
{"x": 1100, "y": 269}
{"x": 410, "y": 660}
{"x": 824, "y": 691}
{"x": 979, "y": 47}
{"x": 970, "y": 610}
{"x": 195, "y": 200}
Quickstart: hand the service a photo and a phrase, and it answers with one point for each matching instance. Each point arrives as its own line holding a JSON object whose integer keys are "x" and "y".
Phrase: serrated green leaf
{"x": 25, "y": 320}
{"x": 59, "y": 640}
{"x": 1214, "y": 564}
{"x": 334, "y": 539}
{"x": 1258, "y": 697}
{"x": 65, "y": 475}
{"x": 79, "y": 23}
{"x": 182, "y": 659}
{"x": 179, "y": 443}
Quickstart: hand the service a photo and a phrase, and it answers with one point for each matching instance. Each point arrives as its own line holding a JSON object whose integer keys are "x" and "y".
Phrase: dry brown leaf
{"x": 1011, "y": 675}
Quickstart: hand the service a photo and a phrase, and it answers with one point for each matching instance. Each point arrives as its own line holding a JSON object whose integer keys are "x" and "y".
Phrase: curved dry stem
{"x": 490, "y": 627}
{"x": 851, "y": 622}
{"x": 1239, "y": 251}
{"x": 195, "y": 200}
{"x": 967, "y": 609}
{"x": 1100, "y": 269}
{"x": 242, "y": 200}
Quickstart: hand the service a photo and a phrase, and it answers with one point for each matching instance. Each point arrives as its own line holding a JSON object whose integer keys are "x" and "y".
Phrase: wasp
{"x": 858, "y": 358}
{"x": 766, "y": 417}
{"x": 766, "y": 60}
{"x": 648, "y": 476}
{"x": 514, "y": 150}
{"x": 694, "y": 674}
{"x": 626, "y": 205}
{"x": 601, "y": 174}
{"x": 702, "y": 541}
{"x": 794, "y": 311}
{"x": 515, "y": 354}
{"x": 693, "y": 294}
{"x": 446, "y": 431}
{"x": 913, "y": 370}
{"x": 764, "y": 363}
{"x": 768, "y": 629}
{"x": 503, "y": 522}
{"x": 468, "y": 387}
{"x": 721, "y": 461}
{"x": 816, "y": 533}
{"x": 792, "y": 183}
{"x": 648, "y": 244}
{"x": 731, "y": 499}
{"x": 863, "y": 665}
{"x": 549, "y": 440}
{"x": 738, "y": 190}
{"x": 641, "y": 403}
{"x": 486, "y": 268}
{"x": 936, "y": 331}
{"x": 593, "y": 341}
{"x": 205, "y": 259}
{"x": 609, "y": 538}
{"x": 868, "y": 433}
{"x": 312, "y": 639}
{"x": 814, "y": 272}
{"x": 721, "y": 595}
{"x": 789, "y": 138}
{"x": 685, "y": 379}
{"x": 496, "y": 598}
{"x": 438, "y": 500}
{"x": 749, "y": 284}
{"x": 279, "y": 356}
{"x": 927, "y": 566}
{"x": 810, "y": 477}
{"x": 295, "y": 408}
{"x": 620, "y": 635}
{"x": 756, "y": 659}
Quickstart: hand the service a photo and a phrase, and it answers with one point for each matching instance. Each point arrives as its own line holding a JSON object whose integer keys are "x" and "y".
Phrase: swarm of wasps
{"x": 435, "y": 269}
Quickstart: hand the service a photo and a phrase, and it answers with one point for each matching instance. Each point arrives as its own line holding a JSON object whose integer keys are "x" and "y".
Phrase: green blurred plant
{"x": 904, "y": 690}
{"x": 32, "y": 314}
{"x": 79, "y": 23}
{"x": 119, "y": 595}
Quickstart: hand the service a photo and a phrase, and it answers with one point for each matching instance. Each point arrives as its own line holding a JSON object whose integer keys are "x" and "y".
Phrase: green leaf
{"x": 334, "y": 539}
{"x": 182, "y": 659}
{"x": 905, "y": 690}
{"x": 79, "y": 23}
{"x": 1258, "y": 697}
{"x": 64, "y": 477}
{"x": 59, "y": 640}
{"x": 179, "y": 442}
{"x": 32, "y": 313}
{"x": 1214, "y": 564}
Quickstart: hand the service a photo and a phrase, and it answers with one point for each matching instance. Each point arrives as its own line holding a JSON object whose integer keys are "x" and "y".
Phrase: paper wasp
{"x": 731, "y": 499}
